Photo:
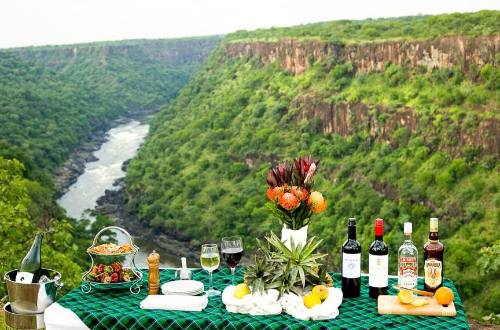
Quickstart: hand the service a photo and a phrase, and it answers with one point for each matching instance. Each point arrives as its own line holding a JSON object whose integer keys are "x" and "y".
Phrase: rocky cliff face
{"x": 381, "y": 123}
{"x": 296, "y": 56}
{"x": 168, "y": 51}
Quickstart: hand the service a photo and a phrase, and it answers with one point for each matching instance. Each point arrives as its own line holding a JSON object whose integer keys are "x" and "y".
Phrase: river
{"x": 122, "y": 144}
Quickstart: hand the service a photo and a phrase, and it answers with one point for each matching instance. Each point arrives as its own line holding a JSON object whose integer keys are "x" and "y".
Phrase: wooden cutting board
{"x": 391, "y": 305}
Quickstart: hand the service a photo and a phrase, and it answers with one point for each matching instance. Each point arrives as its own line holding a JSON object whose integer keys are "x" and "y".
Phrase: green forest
{"x": 378, "y": 30}
{"x": 201, "y": 173}
{"x": 52, "y": 99}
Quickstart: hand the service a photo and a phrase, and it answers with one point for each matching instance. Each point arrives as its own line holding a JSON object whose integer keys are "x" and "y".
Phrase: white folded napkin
{"x": 175, "y": 302}
{"x": 294, "y": 305}
{"x": 57, "y": 317}
{"x": 253, "y": 304}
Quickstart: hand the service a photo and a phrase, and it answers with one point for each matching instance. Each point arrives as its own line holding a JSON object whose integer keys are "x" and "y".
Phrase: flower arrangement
{"x": 290, "y": 193}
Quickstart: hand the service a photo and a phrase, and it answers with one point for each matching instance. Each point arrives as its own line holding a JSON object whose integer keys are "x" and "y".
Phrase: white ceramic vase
{"x": 298, "y": 236}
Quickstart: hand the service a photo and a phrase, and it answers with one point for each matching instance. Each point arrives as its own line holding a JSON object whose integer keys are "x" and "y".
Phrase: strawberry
{"x": 115, "y": 277}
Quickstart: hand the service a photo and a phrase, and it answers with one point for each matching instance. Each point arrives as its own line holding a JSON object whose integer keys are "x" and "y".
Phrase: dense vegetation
{"x": 201, "y": 173}
{"x": 371, "y": 30}
{"x": 51, "y": 100}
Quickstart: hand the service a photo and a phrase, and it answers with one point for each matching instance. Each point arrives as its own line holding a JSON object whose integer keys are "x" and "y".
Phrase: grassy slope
{"x": 201, "y": 172}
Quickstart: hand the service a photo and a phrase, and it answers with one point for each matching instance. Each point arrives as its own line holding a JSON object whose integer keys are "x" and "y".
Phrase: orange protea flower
{"x": 271, "y": 194}
{"x": 300, "y": 193}
{"x": 316, "y": 202}
{"x": 288, "y": 201}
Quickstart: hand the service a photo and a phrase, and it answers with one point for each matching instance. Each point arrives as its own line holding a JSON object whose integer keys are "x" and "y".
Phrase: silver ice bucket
{"x": 22, "y": 321}
{"x": 32, "y": 298}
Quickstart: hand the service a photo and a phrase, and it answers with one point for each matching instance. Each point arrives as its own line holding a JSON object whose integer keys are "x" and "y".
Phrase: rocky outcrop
{"x": 381, "y": 122}
{"x": 296, "y": 56}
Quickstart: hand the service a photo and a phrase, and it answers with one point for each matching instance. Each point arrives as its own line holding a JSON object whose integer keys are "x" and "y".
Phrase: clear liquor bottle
{"x": 407, "y": 260}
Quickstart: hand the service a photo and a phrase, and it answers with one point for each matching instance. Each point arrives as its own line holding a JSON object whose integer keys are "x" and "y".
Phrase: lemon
{"x": 311, "y": 300}
{"x": 241, "y": 291}
{"x": 419, "y": 302}
{"x": 405, "y": 296}
{"x": 321, "y": 291}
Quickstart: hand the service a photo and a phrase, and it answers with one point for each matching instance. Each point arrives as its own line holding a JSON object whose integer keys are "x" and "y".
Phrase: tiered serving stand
{"x": 134, "y": 285}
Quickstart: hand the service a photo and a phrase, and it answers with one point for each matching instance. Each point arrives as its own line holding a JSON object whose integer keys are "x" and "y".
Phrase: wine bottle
{"x": 433, "y": 259}
{"x": 31, "y": 266}
{"x": 351, "y": 263}
{"x": 378, "y": 263}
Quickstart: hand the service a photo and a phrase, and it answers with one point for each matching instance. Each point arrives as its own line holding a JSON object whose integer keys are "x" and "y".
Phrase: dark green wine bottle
{"x": 31, "y": 266}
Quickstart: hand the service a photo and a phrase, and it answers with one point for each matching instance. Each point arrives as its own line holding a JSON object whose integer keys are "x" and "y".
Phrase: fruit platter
{"x": 113, "y": 266}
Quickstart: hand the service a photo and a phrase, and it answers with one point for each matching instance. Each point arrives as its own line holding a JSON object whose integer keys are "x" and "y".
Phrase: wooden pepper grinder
{"x": 154, "y": 273}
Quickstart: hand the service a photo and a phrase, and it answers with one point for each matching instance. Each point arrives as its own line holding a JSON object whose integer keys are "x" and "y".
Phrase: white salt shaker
{"x": 183, "y": 273}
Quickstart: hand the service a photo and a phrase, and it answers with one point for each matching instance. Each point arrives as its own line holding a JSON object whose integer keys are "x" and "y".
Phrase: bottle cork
{"x": 154, "y": 273}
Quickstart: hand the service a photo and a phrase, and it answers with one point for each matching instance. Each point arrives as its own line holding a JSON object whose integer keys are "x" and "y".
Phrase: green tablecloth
{"x": 120, "y": 310}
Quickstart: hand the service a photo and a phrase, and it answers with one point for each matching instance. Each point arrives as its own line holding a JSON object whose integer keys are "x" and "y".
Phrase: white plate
{"x": 182, "y": 286}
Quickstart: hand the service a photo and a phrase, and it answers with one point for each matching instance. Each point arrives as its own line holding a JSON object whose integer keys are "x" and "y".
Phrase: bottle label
{"x": 378, "y": 267}
{"x": 433, "y": 271}
{"x": 407, "y": 273}
{"x": 351, "y": 265}
{"x": 24, "y": 277}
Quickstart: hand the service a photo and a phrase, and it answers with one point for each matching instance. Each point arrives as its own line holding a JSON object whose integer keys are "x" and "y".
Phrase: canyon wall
{"x": 296, "y": 56}
{"x": 165, "y": 51}
{"x": 381, "y": 122}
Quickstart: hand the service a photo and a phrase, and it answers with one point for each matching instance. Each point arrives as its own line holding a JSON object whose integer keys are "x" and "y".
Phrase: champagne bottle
{"x": 351, "y": 263}
{"x": 31, "y": 266}
{"x": 378, "y": 263}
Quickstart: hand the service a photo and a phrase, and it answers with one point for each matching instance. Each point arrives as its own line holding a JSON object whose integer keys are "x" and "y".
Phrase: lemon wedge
{"x": 419, "y": 302}
{"x": 241, "y": 291}
{"x": 405, "y": 296}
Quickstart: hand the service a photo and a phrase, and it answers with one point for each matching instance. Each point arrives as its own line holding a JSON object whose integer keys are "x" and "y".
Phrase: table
{"x": 119, "y": 310}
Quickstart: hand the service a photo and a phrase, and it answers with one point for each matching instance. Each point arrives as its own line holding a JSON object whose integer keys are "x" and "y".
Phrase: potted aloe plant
{"x": 292, "y": 198}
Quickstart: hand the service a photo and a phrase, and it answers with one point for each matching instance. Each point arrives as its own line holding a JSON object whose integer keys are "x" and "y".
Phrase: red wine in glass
{"x": 232, "y": 250}
{"x": 232, "y": 256}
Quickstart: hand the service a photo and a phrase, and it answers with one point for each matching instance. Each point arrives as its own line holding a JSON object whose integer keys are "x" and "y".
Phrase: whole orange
{"x": 444, "y": 295}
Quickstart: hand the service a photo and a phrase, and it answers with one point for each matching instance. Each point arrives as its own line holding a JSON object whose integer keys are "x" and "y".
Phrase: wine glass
{"x": 232, "y": 250}
{"x": 210, "y": 261}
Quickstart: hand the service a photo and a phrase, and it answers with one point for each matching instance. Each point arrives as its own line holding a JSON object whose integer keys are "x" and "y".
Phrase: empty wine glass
{"x": 232, "y": 250}
{"x": 210, "y": 261}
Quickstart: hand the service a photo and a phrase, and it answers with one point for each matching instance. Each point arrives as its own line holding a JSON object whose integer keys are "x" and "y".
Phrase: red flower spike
{"x": 280, "y": 175}
{"x": 303, "y": 170}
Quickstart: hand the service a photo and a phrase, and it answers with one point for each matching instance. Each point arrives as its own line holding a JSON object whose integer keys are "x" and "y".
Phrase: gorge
{"x": 402, "y": 112}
